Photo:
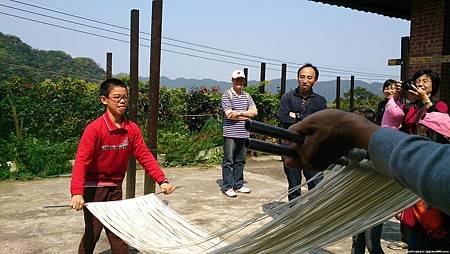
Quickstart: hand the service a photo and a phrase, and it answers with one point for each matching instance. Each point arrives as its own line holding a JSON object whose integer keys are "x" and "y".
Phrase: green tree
{"x": 19, "y": 59}
{"x": 363, "y": 98}
{"x": 266, "y": 103}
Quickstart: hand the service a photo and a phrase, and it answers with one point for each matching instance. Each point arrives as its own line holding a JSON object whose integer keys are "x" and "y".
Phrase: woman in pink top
{"x": 393, "y": 111}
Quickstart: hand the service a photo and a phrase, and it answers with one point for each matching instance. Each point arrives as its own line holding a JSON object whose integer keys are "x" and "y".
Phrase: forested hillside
{"x": 19, "y": 59}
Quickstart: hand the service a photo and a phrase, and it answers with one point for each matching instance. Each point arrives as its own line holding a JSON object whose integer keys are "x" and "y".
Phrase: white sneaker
{"x": 398, "y": 245}
{"x": 230, "y": 193}
{"x": 244, "y": 189}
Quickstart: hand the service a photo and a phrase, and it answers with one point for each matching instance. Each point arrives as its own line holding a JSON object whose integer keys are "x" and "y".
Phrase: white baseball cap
{"x": 237, "y": 74}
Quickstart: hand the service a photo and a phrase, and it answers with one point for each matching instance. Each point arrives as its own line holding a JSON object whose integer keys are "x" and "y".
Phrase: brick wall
{"x": 430, "y": 28}
{"x": 445, "y": 71}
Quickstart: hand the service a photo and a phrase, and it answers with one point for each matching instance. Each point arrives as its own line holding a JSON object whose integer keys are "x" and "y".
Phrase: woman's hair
{"x": 435, "y": 80}
{"x": 388, "y": 82}
{"x": 368, "y": 113}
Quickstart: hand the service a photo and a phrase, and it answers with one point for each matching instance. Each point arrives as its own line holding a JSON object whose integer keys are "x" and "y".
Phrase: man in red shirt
{"x": 102, "y": 159}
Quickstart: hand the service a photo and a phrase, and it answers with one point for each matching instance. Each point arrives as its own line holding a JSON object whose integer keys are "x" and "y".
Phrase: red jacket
{"x": 103, "y": 154}
{"x": 412, "y": 118}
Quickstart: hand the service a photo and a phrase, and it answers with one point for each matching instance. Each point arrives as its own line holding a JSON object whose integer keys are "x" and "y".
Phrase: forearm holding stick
{"x": 276, "y": 132}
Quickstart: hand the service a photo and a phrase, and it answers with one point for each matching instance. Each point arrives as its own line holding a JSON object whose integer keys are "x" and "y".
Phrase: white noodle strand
{"x": 347, "y": 201}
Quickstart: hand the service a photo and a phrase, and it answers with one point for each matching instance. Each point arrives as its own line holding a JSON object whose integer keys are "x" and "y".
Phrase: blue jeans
{"x": 234, "y": 152}
{"x": 370, "y": 238}
{"x": 294, "y": 177}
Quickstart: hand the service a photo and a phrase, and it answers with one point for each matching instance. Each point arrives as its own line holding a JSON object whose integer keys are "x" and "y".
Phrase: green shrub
{"x": 36, "y": 157}
{"x": 201, "y": 103}
{"x": 192, "y": 148}
{"x": 266, "y": 103}
{"x": 42, "y": 122}
{"x": 45, "y": 158}
{"x": 363, "y": 98}
{"x": 49, "y": 110}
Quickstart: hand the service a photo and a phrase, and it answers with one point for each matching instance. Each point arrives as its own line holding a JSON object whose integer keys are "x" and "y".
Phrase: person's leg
{"x": 359, "y": 243}
{"x": 239, "y": 155}
{"x": 310, "y": 174}
{"x": 373, "y": 237}
{"x": 118, "y": 246}
{"x": 294, "y": 178}
{"x": 405, "y": 230}
{"x": 227, "y": 164}
{"x": 441, "y": 245}
{"x": 93, "y": 227}
{"x": 418, "y": 239}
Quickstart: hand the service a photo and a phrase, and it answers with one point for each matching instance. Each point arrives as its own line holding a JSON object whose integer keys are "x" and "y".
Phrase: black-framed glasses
{"x": 117, "y": 98}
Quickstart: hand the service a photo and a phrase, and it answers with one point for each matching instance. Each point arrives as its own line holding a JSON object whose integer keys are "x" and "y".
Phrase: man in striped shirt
{"x": 238, "y": 106}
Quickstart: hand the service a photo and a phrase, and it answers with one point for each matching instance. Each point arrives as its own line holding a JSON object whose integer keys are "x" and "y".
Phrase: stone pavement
{"x": 28, "y": 228}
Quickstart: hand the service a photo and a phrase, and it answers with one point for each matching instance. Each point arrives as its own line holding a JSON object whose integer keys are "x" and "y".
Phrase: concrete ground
{"x": 28, "y": 228}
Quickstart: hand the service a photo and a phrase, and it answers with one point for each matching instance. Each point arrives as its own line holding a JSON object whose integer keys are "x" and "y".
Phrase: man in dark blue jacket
{"x": 296, "y": 105}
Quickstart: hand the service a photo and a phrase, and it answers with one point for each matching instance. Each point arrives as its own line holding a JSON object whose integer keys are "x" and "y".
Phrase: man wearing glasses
{"x": 102, "y": 159}
{"x": 294, "y": 106}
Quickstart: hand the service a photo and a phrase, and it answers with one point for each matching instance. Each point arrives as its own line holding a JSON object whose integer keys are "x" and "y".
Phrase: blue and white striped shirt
{"x": 239, "y": 103}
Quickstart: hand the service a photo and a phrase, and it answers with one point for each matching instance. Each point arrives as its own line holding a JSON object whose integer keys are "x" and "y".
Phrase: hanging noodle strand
{"x": 349, "y": 200}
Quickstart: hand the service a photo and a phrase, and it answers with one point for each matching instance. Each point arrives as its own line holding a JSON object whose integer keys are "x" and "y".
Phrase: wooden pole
{"x": 133, "y": 103}
{"x": 246, "y": 76}
{"x": 352, "y": 92}
{"x": 338, "y": 92}
{"x": 262, "y": 76}
{"x": 405, "y": 58}
{"x": 108, "y": 65}
{"x": 155, "y": 68}
{"x": 283, "y": 79}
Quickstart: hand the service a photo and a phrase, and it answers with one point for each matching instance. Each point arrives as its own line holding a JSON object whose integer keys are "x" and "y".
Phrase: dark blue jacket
{"x": 292, "y": 102}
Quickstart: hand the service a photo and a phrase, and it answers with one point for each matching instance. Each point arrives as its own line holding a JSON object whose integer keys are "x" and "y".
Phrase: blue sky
{"x": 295, "y": 31}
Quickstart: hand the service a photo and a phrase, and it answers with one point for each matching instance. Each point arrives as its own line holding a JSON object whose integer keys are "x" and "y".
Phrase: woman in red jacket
{"x": 422, "y": 96}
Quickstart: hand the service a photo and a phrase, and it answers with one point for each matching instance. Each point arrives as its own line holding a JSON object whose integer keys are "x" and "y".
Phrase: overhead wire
{"x": 120, "y": 40}
{"x": 143, "y": 45}
{"x": 124, "y": 34}
{"x": 323, "y": 68}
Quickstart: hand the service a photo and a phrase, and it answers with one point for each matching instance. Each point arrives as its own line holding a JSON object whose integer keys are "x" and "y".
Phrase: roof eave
{"x": 362, "y": 6}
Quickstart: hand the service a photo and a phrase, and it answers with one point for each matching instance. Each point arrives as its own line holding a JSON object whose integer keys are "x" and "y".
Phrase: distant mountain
{"x": 325, "y": 88}
{"x": 19, "y": 59}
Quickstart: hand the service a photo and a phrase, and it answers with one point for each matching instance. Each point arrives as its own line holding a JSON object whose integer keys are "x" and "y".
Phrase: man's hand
{"x": 329, "y": 134}
{"x": 233, "y": 114}
{"x": 167, "y": 188}
{"x": 77, "y": 202}
{"x": 237, "y": 116}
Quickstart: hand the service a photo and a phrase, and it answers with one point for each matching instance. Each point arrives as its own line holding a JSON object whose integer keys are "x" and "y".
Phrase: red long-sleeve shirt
{"x": 103, "y": 154}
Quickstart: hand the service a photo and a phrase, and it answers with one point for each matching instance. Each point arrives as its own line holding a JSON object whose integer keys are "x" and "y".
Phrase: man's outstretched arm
{"x": 417, "y": 163}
